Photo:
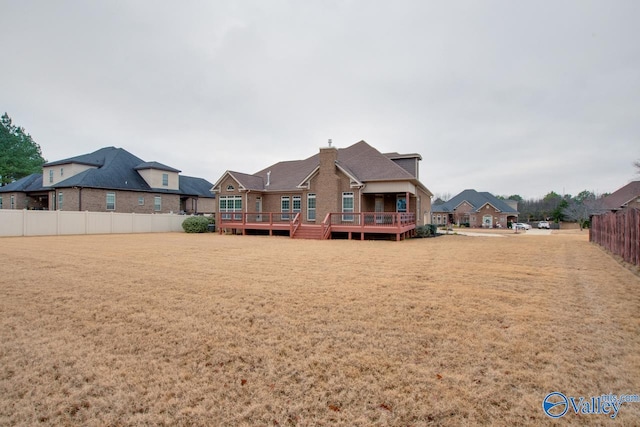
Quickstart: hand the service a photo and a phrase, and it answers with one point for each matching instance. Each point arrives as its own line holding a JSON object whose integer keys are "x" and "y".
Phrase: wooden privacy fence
{"x": 619, "y": 233}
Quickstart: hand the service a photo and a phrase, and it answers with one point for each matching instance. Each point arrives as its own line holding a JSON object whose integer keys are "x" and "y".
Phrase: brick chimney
{"x": 327, "y": 186}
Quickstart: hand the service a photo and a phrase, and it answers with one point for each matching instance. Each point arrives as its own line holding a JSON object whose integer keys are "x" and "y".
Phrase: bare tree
{"x": 445, "y": 197}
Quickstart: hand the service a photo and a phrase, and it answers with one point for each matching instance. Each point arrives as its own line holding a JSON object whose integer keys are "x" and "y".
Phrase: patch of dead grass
{"x": 179, "y": 329}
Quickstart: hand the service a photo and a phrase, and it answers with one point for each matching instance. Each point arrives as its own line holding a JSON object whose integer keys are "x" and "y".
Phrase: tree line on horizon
{"x": 556, "y": 208}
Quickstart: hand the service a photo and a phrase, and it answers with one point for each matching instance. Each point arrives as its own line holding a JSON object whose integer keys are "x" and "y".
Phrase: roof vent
{"x": 268, "y": 178}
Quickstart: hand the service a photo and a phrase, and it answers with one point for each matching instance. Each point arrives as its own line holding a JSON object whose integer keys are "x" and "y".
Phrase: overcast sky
{"x": 510, "y": 97}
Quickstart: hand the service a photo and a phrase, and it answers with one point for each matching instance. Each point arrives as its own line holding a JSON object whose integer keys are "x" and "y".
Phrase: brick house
{"x": 352, "y": 192}
{"x": 626, "y": 196}
{"x": 109, "y": 180}
{"x": 475, "y": 209}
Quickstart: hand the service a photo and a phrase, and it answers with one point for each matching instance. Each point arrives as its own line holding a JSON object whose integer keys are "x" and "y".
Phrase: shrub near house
{"x": 197, "y": 224}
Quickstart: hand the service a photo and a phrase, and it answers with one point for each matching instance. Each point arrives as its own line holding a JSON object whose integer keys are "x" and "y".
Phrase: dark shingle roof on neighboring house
{"x": 621, "y": 197}
{"x": 31, "y": 182}
{"x": 193, "y": 186}
{"x": 97, "y": 158}
{"x": 156, "y": 165}
{"x": 117, "y": 169}
{"x": 476, "y": 199}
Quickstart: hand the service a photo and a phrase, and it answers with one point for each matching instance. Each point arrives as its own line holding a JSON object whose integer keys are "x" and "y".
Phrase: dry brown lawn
{"x": 184, "y": 329}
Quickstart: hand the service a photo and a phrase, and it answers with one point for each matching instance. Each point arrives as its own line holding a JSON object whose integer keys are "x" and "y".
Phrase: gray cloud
{"x": 501, "y": 96}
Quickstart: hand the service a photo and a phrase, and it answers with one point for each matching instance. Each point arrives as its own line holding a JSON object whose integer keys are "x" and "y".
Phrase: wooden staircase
{"x": 308, "y": 231}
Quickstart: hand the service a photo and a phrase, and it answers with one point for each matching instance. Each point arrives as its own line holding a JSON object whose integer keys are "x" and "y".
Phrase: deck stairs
{"x": 308, "y": 231}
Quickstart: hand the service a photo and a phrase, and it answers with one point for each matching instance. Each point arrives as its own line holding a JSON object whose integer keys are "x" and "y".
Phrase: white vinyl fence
{"x": 51, "y": 223}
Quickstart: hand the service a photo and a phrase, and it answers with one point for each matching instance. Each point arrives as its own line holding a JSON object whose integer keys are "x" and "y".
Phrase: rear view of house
{"x": 351, "y": 192}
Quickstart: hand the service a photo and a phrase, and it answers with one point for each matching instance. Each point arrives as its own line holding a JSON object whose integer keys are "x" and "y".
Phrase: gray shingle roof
{"x": 156, "y": 165}
{"x": 475, "y": 199}
{"x": 193, "y": 186}
{"x": 28, "y": 183}
{"x": 361, "y": 160}
{"x": 113, "y": 168}
{"x": 622, "y": 196}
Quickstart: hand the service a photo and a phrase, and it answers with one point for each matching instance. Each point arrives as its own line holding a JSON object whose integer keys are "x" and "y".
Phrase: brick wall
{"x": 95, "y": 200}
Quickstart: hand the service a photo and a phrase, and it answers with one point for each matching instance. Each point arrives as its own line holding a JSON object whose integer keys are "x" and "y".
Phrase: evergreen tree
{"x": 19, "y": 154}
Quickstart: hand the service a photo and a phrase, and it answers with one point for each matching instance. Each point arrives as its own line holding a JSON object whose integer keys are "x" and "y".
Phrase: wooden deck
{"x": 349, "y": 225}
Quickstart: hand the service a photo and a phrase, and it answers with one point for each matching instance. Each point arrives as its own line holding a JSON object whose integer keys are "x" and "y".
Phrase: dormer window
{"x": 230, "y": 187}
{"x": 165, "y": 179}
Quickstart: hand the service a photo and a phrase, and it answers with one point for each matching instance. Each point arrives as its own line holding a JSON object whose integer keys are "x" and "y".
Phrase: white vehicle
{"x": 520, "y": 226}
{"x": 543, "y": 224}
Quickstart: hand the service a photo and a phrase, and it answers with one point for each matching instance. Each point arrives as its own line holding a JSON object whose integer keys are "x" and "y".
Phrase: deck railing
{"x": 376, "y": 222}
{"x": 373, "y": 219}
{"x": 267, "y": 218}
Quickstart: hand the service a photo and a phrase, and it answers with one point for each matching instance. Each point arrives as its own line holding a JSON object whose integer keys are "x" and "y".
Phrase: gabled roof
{"x": 361, "y": 162}
{"x": 28, "y": 183}
{"x": 476, "y": 199}
{"x": 621, "y": 197}
{"x": 116, "y": 169}
{"x": 287, "y": 175}
{"x": 246, "y": 181}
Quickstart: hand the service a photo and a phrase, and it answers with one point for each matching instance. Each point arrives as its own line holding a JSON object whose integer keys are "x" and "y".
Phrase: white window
{"x": 141, "y": 201}
{"x": 13, "y": 201}
{"x": 0, "y": 202}
{"x": 50, "y": 175}
{"x": 60, "y": 200}
{"x": 297, "y": 204}
{"x": 61, "y": 171}
{"x": 157, "y": 203}
{"x": 230, "y": 204}
{"x": 111, "y": 201}
{"x": 347, "y": 206}
{"x": 165, "y": 179}
{"x": 285, "y": 206}
{"x": 311, "y": 207}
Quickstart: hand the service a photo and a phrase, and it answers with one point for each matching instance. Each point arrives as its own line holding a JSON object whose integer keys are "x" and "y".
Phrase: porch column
{"x": 408, "y": 198}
